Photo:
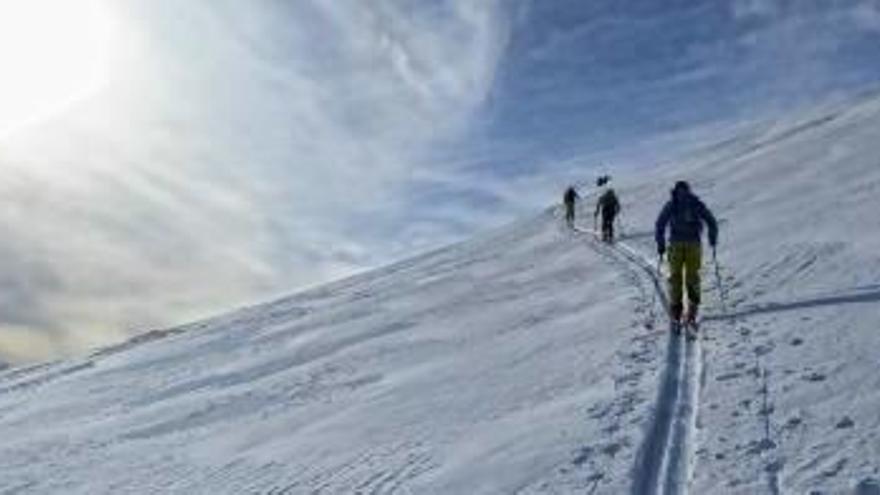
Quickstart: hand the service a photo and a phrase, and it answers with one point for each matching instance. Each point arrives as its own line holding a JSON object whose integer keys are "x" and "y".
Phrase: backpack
{"x": 610, "y": 205}
{"x": 686, "y": 215}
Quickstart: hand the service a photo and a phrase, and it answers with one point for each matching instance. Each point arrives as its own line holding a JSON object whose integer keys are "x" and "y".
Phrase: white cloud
{"x": 225, "y": 160}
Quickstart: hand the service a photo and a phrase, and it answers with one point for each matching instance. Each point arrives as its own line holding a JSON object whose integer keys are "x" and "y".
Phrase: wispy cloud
{"x": 228, "y": 158}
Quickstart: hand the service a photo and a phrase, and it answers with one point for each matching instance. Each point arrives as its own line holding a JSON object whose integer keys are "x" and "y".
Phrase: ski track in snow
{"x": 767, "y": 444}
{"x": 665, "y": 461}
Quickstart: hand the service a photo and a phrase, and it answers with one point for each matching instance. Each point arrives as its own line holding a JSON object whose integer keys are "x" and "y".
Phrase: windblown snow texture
{"x": 530, "y": 360}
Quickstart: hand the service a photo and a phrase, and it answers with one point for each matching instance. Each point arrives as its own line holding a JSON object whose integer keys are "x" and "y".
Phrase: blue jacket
{"x": 685, "y": 214}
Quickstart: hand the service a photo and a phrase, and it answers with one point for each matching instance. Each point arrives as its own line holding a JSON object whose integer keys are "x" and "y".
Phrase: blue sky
{"x": 222, "y": 152}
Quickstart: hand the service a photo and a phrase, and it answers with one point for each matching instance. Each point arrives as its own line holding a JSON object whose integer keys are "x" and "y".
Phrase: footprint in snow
{"x": 766, "y": 444}
{"x": 793, "y": 423}
{"x": 774, "y": 467}
{"x": 835, "y": 469}
{"x": 583, "y": 456}
{"x": 764, "y": 349}
{"x": 845, "y": 423}
{"x": 815, "y": 377}
{"x": 596, "y": 477}
{"x": 612, "y": 449}
{"x": 756, "y": 447}
{"x": 599, "y": 411}
{"x": 629, "y": 379}
{"x": 728, "y": 376}
{"x": 611, "y": 429}
{"x": 767, "y": 410}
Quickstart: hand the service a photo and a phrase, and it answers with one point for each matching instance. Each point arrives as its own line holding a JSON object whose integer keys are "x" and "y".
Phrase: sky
{"x": 164, "y": 161}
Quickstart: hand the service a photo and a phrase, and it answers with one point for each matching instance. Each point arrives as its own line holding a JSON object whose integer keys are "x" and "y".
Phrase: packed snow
{"x": 532, "y": 359}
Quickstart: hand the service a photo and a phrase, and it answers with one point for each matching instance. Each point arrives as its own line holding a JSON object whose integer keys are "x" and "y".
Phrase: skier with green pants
{"x": 684, "y": 215}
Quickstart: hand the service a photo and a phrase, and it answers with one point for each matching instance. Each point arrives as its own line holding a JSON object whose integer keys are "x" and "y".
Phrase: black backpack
{"x": 686, "y": 215}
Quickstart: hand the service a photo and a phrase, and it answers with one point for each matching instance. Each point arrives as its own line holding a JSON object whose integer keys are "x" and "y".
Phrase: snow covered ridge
{"x": 529, "y": 360}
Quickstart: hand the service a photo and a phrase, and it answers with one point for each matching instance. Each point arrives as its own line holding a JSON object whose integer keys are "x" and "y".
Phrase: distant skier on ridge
{"x": 609, "y": 207}
{"x": 569, "y": 199}
{"x": 684, "y": 215}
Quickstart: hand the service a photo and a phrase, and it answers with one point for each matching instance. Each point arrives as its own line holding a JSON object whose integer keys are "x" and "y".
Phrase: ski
{"x": 692, "y": 329}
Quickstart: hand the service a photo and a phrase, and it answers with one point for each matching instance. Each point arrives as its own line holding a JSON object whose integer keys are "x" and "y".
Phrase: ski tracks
{"x": 666, "y": 458}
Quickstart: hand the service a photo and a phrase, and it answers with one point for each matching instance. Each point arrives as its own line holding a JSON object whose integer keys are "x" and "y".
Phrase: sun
{"x": 53, "y": 53}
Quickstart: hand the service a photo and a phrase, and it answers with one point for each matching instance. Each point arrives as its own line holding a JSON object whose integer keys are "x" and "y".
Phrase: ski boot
{"x": 675, "y": 323}
{"x": 690, "y": 322}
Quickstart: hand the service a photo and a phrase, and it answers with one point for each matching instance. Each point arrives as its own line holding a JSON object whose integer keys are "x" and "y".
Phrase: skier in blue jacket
{"x": 684, "y": 215}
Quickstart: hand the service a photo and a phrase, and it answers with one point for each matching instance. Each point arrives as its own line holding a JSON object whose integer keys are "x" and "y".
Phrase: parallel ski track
{"x": 665, "y": 461}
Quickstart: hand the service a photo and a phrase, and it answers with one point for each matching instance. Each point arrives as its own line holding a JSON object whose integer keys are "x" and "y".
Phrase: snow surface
{"x": 528, "y": 360}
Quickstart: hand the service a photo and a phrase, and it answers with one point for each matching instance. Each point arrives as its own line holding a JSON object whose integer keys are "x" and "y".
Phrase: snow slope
{"x": 792, "y": 389}
{"x": 529, "y": 360}
{"x": 480, "y": 368}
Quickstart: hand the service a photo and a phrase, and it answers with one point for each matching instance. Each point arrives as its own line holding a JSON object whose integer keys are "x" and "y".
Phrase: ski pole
{"x": 722, "y": 295}
{"x": 654, "y": 292}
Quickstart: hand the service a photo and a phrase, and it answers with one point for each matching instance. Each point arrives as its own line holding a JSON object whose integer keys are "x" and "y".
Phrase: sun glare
{"x": 53, "y": 53}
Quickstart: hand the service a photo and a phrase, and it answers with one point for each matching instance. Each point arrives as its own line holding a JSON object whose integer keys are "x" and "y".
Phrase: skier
{"x": 684, "y": 214}
{"x": 569, "y": 199}
{"x": 609, "y": 207}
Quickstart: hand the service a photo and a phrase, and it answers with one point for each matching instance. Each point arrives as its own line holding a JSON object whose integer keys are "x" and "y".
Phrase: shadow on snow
{"x": 860, "y": 295}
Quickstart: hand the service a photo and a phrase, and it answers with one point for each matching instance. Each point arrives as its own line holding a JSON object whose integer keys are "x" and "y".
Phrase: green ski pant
{"x": 685, "y": 260}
